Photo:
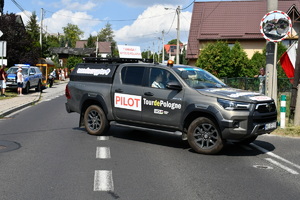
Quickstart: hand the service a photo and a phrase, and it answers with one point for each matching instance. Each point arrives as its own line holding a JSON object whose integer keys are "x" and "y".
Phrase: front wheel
{"x": 204, "y": 136}
{"x": 95, "y": 120}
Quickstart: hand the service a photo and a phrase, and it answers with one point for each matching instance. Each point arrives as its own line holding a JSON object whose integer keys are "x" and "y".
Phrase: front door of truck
{"x": 161, "y": 105}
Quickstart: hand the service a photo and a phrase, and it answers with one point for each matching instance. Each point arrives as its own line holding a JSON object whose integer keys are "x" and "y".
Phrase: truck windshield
{"x": 198, "y": 78}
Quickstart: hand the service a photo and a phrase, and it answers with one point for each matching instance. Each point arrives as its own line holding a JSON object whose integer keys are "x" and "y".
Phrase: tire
{"x": 50, "y": 83}
{"x": 248, "y": 140}
{"x": 38, "y": 87}
{"x": 95, "y": 120}
{"x": 204, "y": 136}
{"x": 27, "y": 87}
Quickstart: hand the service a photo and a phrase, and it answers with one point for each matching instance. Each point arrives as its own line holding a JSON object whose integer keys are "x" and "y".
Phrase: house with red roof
{"x": 233, "y": 21}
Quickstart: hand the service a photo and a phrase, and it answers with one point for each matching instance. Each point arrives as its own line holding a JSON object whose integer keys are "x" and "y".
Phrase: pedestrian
{"x": 3, "y": 80}
{"x": 20, "y": 81}
{"x": 262, "y": 78}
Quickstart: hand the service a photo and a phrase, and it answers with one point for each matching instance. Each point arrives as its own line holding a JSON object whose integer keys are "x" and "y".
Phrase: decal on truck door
{"x": 127, "y": 101}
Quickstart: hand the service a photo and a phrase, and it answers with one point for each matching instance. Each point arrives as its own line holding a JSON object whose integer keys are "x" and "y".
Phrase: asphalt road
{"x": 44, "y": 155}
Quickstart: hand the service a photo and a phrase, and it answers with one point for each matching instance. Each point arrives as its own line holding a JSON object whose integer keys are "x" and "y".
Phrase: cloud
{"x": 147, "y": 3}
{"x": 151, "y": 23}
{"x": 74, "y": 5}
{"x": 61, "y": 18}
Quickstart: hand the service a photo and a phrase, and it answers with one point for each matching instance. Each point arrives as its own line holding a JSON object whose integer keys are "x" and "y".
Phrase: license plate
{"x": 271, "y": 126}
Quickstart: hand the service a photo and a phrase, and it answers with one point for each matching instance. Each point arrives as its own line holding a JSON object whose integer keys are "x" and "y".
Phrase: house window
{"x": 230, "y": 45}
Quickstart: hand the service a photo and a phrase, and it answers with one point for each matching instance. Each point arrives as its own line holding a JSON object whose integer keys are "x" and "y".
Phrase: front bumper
{"x": 248, "y": 124}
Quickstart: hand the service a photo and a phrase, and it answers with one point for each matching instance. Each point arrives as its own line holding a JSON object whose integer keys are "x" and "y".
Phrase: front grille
{"x": 265, "y": 107}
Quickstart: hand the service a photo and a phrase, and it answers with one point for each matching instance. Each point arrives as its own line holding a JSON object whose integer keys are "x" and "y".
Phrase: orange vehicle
{"x": 45, "y": 66}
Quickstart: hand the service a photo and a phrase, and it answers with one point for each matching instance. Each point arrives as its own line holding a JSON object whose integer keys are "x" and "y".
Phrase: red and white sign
{"x": 129, "y": 51}
{"x": 127, "y": 101}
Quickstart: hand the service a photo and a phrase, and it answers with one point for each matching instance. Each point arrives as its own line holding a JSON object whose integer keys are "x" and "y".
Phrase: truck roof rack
{"x": 115, "y": 60}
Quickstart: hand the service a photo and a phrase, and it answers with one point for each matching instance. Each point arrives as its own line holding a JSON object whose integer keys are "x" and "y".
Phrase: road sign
{"x": 2, "y": 49}
{"x": 275, "y": 26}
{"x": 1, "y": 33}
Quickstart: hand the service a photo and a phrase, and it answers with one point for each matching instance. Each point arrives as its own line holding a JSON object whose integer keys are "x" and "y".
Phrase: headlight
{"x": 233, "y": 105}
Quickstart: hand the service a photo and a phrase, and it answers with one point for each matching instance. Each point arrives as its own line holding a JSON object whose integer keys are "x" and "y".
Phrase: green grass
{"x": 289, "y": 130}
{"x": 9, "y": 95}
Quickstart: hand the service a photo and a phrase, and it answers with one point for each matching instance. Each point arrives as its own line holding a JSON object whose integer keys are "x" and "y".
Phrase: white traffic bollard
{"x": 282, "y": 111}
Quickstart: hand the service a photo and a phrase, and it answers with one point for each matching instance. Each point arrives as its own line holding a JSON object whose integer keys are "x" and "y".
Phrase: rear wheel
{"x": 95, "y": 120}
{"x": 38, "y": 87}
{"x": 27, "y": 87}
{"x": 204, "y": 136}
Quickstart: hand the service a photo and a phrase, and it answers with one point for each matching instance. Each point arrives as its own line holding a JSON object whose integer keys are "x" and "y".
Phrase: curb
{"x": 20, "y": 107}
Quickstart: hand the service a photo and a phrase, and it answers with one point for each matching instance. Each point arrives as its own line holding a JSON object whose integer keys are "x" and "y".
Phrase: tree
{"x": 72, "y": 34}
{"x": 215, "y": 58}
{"x": 239, "y": 62}
{"x": 73, "y": 61}
{"x": 20, "y": 46}
{"x": 33, "y": 29}
{"x": 174, "y": 42}
{"x": 107, "y": 35}
{"x": 257, "y": 62}
{"x": 91, "y": 42}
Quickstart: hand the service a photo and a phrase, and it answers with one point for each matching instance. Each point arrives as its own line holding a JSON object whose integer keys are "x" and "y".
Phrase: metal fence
{"x": 283, "y": 84}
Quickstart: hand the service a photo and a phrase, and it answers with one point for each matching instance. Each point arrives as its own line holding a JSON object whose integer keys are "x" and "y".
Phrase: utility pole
{"x": 178, "y": 34}
{"x": 271, "y": 57}
{"x": 41, "y": 30}
{"x": 295, "y": 90}
{"x": 97, "y": 47}
{"x": 163, "y": 47}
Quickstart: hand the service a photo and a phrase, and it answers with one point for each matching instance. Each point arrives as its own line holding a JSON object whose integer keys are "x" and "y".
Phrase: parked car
{"x": 32, "y": 78}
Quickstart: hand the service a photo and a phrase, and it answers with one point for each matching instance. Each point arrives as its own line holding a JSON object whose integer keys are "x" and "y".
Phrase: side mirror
{"x": 174, "y": 85}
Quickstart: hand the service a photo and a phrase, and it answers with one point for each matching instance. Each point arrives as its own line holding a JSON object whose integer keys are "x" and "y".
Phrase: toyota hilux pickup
{"x": 177, "y": 99}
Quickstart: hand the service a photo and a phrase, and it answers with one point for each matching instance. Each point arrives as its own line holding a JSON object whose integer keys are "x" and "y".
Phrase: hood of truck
{"x": 235, "y": 94}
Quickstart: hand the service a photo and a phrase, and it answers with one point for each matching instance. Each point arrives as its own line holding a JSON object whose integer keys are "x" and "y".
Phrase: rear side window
{"x": 32, "y": 70}
{"x": 133, "y": 75}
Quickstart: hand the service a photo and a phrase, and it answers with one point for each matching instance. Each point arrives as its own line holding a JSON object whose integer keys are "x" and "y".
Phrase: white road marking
{"x": 103, "y": 152}
{"x": 102, "y": 138}
{"x": 103, "y": 180}
{"x": 281, "y": 166}
{"x": 274, "y": 155}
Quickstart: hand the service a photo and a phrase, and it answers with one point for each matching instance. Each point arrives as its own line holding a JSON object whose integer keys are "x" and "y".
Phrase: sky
{"x": 134, "y": 22}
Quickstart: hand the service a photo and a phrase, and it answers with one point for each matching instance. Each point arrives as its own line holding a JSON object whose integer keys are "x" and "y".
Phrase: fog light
{"x": 236, "y": 124}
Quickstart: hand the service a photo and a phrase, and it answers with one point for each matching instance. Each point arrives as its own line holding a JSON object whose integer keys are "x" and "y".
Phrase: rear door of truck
{"x": 127, "y": 91}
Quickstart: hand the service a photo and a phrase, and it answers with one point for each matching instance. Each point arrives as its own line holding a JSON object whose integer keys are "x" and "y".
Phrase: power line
{"x": 20, "y": 7}
{"x": 188, "y": 6}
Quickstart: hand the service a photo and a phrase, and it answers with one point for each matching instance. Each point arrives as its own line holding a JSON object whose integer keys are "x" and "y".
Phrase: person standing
{"x": 2, "y": 80}
{"x": 262, "y": 78}
{"x": 20, "y": 81}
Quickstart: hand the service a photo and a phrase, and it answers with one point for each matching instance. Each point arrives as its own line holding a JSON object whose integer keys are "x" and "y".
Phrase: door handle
{"x": 119, "y": 90}
{"x": 148, "y": 94}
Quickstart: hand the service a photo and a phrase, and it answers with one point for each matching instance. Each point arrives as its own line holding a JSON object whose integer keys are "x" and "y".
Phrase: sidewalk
{"x": 8, "y": 106}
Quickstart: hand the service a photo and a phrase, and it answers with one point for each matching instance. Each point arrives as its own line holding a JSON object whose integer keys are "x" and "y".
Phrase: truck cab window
{"x": 132, "y": 75}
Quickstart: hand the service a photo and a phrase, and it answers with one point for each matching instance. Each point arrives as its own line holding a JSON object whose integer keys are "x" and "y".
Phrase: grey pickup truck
{"x": 179, "y": 99}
